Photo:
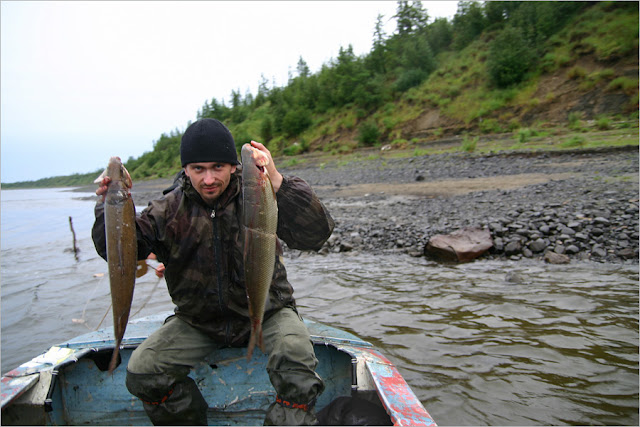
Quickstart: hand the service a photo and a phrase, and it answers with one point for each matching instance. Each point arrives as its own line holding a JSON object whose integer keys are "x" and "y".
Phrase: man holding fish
{"x": 215, "y": 233}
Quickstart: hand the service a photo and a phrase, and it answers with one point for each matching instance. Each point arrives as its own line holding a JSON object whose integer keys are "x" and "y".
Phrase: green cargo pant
{"x": 158, "y": 371}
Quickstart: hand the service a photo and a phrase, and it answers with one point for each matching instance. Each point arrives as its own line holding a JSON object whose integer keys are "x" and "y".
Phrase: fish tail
{"x": 114, "y": 358}
{"x": 256, "y": 338}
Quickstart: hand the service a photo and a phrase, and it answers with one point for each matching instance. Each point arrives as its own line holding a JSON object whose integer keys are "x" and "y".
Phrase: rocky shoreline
{"x": 581, "y": 204}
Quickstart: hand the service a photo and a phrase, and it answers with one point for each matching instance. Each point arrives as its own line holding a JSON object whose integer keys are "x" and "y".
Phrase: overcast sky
{"x": 83, "y": 81}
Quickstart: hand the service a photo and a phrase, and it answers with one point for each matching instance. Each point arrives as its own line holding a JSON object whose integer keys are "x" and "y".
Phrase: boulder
{"x": 556, "y": 258}
{"x": 462, "y": 245}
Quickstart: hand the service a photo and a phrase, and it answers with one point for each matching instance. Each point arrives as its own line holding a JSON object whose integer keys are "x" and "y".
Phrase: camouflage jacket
{"x": 202, "y": 249}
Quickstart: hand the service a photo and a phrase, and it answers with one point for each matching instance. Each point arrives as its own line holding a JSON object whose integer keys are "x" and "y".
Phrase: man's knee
{"x": 149, "y": 387}
{"x": 142, "y": 361}
{"x": 293, "y": 350}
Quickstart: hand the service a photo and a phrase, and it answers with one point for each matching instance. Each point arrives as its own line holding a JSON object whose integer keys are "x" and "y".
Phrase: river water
{"x": 557, "y": 346}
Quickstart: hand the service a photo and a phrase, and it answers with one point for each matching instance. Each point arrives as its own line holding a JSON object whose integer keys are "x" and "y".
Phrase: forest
{"x": 478, "y": 73}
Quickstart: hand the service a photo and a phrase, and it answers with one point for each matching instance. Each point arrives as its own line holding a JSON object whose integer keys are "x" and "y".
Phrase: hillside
{"x": 518, "y": 70}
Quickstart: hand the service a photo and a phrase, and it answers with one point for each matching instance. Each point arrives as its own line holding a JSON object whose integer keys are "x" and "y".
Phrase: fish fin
{"x": 126, "y": 177}
{"x": 141, "y": 268}
{"x": 99, "y": 179}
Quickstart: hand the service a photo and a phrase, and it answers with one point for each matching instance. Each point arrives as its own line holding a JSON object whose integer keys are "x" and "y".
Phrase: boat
{"x": 70, "y": 385}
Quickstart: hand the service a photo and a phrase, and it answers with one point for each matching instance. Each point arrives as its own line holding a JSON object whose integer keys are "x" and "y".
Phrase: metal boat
{"x": 69, "y": 384}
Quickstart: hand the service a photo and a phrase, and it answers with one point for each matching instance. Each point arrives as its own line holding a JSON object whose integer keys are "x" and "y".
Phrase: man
{"x": 195, "y": 231}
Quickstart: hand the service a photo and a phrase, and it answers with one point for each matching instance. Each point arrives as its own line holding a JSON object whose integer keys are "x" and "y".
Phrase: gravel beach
{"x": 582, "y": 204}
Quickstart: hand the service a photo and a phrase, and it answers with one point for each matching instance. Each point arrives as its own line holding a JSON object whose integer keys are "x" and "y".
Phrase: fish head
{"x": 254, "y": 163}
{"x": 114, "y": 169}
{"x": 116, "y": 172}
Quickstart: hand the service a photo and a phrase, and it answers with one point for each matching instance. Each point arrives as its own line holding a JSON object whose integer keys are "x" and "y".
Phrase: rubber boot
{"x": 277, "y": 415}
{"x": 167, "y": 402}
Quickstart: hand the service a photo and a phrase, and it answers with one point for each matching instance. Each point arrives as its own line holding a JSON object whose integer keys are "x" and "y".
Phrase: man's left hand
{"x": 274, "y": 175}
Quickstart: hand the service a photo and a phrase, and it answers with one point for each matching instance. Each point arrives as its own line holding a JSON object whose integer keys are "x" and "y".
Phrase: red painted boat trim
{"x": 402, "y": 405}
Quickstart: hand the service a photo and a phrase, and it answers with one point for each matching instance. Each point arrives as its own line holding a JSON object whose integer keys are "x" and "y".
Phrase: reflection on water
{"x": 557, "y": 346}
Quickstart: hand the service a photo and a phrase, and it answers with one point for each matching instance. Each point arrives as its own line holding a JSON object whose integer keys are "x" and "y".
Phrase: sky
{"x": 83, "y": 81}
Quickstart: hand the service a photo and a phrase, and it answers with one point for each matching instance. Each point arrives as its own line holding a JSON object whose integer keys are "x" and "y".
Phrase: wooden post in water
{"x": 75, "y": 247}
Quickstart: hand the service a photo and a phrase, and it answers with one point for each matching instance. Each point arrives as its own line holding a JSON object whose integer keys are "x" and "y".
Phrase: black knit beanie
{"x": 208, "y": 140}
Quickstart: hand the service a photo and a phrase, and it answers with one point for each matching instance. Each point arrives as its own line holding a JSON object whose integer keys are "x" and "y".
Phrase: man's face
{"x": 210, "y": 179}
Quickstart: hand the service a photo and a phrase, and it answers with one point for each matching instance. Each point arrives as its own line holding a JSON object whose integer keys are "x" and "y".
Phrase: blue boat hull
{"x": 70, "y": 385}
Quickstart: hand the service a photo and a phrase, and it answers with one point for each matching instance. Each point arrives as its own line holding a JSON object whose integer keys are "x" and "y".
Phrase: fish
{"x": 122, "y": 248}
{"x": 260, "y": 221}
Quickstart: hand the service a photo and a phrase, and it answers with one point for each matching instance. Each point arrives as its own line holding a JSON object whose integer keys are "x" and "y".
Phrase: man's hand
{"x": 274, "y": 175}
{"x": 103, "y": 182}
{"x": 160, "y": 270}
{"x": 103, "y": 186}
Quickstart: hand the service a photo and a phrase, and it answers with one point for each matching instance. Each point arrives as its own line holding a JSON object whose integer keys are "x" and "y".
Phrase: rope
{"x": 103, "y": 317}
{"x": 148, "y": 297}
{"x": 84, "y": 310}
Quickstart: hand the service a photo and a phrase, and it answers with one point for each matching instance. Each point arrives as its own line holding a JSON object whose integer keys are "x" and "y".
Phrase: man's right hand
{"x": 102, "y": 187}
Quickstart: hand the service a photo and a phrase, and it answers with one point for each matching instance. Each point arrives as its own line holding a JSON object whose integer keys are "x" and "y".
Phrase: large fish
{"x": 122, "y": 248}
{"x": 260, "y": 221}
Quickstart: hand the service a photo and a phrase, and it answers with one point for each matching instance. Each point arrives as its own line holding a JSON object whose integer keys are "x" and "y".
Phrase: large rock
{"x": 462, "y": 245}
{"x": 556, "y": 258}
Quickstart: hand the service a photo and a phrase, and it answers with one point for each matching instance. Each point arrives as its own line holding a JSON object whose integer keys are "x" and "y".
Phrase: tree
{"x": 295, "y": 121}
{"x": 417, "y": 54}
{"x": 238, "y": 110}
{"x": 263, "y": 92}
{"x": 214, "y": 110}
{"x": 303, "y": 68}
{"x": 468, "y": 23}
{"x": 376, "y": 58}
{"x": 496, "y": 13}
{"x": 266, "y": 130}
{"x": 509, "y": 57}
{"x": 440, "y": 35}
{"x": 412, "y": 17}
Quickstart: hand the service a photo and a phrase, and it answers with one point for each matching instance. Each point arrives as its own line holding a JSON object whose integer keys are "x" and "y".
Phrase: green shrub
{"x": 490, "y": 126}
{"x": 575, "y": 121}
{"x": 389, "y": 123}
{"x": 576, "y": 72}
{"x": 513, "y": 125}
{"x": 574, "y": 141}
{"x": 469, "y": 144}
{"x": 409, "y": 79}
{"x": 368, "y": 133}
{"x": 628, "y": 85}
{"x": 605, "y": 74}
{"x": 295, "y": 121}
{"x": 525, "y": 134}
{"x": 400, "y": 143}
{"x": 296, "y": 148}
{"x": 266, "y": 130}
{"x": 509, "y": 57}
{"x": 603, "y": 123}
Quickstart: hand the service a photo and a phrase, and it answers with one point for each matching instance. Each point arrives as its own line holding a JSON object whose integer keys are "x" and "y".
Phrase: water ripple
{"x": 560, "y": 348}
